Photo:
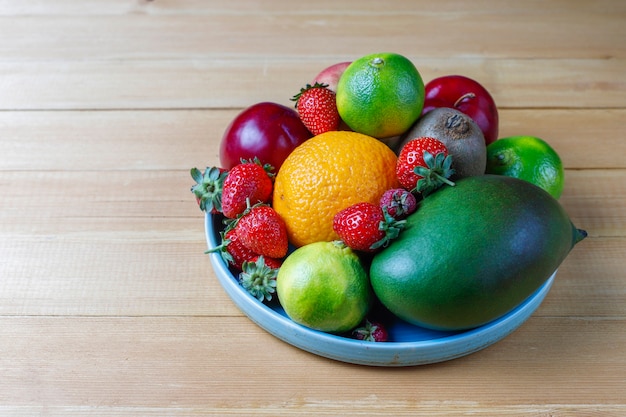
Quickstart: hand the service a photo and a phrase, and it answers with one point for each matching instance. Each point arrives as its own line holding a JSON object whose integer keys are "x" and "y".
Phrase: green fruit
{"x": 528, "y": 158}
{"x": 380, "y": 95}
{"x": 473, "y": 252}
{"x": 324, "y": 286}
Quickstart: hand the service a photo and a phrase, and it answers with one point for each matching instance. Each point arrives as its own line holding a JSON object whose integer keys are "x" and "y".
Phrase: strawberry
{"x": 246, "y": 181}
{"x": 317, "y": 107}
{"x": 208, "y": 188}
{"x": 398, "y": 202}
{"x": 424, "y": 165}
{"x": 371, "y": 331}
{"x": 271, "y": 262}
{"x": 366, "y": 227}
{"x": 233, "y": 252}
{"x": 258, "y": 277}
{"x": 261, "y": 229}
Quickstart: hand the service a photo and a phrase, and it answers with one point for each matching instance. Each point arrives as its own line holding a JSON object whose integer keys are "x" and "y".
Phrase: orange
{"x": 324, "y": 286}
{"x": 528, "y": 158}
{"x": 380, "y": 95}
{"x": 326, "y": 174}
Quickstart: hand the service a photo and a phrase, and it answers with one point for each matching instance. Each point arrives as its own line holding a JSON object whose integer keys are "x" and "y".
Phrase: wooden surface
{"x": 108, "y": 306}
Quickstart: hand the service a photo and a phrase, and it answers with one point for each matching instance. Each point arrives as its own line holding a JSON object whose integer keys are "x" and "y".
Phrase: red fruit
{"x": 246, "y": 183}
{"x": 261, "y": 229}
{"x": 398, "y": 202}
{"x": 273, "y": 263}
{"x": 331, "y": 75}
{"x": 233, "y": 252}
{"x": 466, "y": 95}
{"x": 258, "y": 277}
{"x": 366, "y": 227}
{"x": 208, "y": 188}
{"x": 317, "y": 107}
{"x": 371, "y": 331}
{"x": 424, "y": 165}
{"x": 268, "y": 131}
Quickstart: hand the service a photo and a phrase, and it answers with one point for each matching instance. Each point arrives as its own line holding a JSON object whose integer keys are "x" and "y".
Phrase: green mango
{"x": 473, "y": 252}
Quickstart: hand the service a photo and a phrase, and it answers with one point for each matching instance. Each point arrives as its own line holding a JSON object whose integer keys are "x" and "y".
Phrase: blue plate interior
{"x": 409, "y": 345}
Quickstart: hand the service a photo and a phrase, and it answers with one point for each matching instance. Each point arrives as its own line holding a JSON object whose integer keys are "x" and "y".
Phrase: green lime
{"x": 324, "y": 286}
{"x": 380, "y": 95}
{"x": 528, "y": 158}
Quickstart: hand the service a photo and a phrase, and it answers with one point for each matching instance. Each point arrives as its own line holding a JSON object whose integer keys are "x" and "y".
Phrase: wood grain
{"x": 108, "y": 304}
{"x": 192, "y": 83}
{"x": 172, "y": 362}
{"x": 180, "y": 139}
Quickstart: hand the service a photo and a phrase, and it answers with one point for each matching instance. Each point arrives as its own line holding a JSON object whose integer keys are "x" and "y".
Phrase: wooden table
{"x": 108, "y": 306}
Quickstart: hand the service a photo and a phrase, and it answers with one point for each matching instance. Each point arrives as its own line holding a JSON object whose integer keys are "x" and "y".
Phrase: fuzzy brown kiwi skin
{"x": 461, "y": 135}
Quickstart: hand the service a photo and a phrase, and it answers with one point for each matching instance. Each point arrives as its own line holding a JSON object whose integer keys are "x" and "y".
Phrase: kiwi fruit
{"x": 461, "y": 135}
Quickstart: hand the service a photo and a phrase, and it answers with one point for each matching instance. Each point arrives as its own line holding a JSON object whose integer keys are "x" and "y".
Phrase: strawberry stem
{"x": 222, "y": 249}
{"x": 268, "y": 168}
{"x": 436, "y": 173}
{"x": 444, "y": 179}
{"x": 391, "y": 227}
{"x": 258, "y": 279}
{"x": 208, "y": 188}
{"x": 305, "y": 89}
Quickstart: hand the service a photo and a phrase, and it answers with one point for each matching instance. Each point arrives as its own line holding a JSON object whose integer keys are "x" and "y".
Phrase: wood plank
{"x": 101, "y": 250}
{"x": 595, "y": 202}
{"x": 109, "y": 273}
{"x": 251, "y": 7}
{"x": 277, "y": 33}
{"x": 137, "y": 243}
{"x": 589, "y": 283}
{"x": 224, "y": 365}
{"x": 234, "y": 82}
{"x": 571, "y": 133}
{"x": 179, "y": 140}
{"x": 112, "y": 140}
{"x": 152, "y": 273}
{"x": 322, "y": 408}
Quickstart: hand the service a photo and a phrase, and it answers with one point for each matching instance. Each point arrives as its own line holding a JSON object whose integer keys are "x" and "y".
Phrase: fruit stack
{"x": 379, "y": 193}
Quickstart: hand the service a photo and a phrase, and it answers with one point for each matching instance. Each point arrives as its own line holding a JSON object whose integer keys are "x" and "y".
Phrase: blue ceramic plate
{"x": 409, "y": 345}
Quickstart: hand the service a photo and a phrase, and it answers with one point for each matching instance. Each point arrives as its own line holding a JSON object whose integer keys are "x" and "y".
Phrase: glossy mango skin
{"x": 473, "y": 252}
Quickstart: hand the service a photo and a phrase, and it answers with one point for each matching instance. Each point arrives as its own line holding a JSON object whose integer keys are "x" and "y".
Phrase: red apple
{"x": 268, "y": 131}
{"x": 331, "y": 75}
{"x": 466, "y": 95}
